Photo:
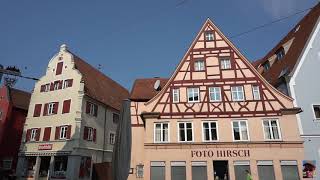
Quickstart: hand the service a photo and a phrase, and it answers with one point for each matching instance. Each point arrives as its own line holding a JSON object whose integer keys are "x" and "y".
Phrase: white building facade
{"x": 72, "y": 120}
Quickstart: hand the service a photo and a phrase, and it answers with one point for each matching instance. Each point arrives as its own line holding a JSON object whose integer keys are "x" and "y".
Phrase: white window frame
{"x": 240, "y": 131}
{"x": 112, "y": 140}
{"x": 209, "y": 36}
{"x": 56, "y": 85}
{"x": 90, "y": 134}
{"x": 185, "y": 131}
{"x": 51, "y": 108}
{"x": 193, "y": 93}
{"x": 161, "y": 136}
{"x": 256, "y": 96}
{"x": 63, "y": 134}
{"x": 210, "y": 135}
{"x": 225, "y": 63}
{"x": 47, "y": 87}
{"x": 237, "y": 91}
{"x": 279, "y": 130}
{"x": 65, "y": 84}
{"x": 33, "y": 134}
{"x": 176, "y": 92}
{"x": 199, "y": 65}
{"x": 212, "y": 90}
{"x": 92, "y": 109}
{"x": 314, "y": 113}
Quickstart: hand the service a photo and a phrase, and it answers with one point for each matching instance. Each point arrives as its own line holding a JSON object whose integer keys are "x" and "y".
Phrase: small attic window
{"x": 280, "y": 53}
{"x": 209, "y": 35}
{"x": 266, "y": 66}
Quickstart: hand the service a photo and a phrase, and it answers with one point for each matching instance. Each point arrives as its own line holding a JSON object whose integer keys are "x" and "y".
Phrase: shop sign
{"x": 45, "y": 147}
{"x": 220, "y": 153}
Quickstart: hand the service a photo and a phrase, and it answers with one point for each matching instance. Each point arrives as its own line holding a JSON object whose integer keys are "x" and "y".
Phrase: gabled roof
{"x": 20, "y": 99}
{"x": 300, "y": 35}
{"x": 100, "y": 87}
{"x": 143, "y": 89}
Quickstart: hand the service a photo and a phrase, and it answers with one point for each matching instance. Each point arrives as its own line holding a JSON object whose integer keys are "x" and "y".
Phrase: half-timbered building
{"x": 216, "y": 117}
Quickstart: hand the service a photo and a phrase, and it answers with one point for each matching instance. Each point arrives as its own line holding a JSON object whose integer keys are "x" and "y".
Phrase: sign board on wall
{"x": 45, "y": 147}
{"x": 220, "y": 153}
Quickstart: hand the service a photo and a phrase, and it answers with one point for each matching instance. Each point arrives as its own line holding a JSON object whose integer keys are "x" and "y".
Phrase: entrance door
{"x": 220, "y": 169}
{"x": 44, "y": 167}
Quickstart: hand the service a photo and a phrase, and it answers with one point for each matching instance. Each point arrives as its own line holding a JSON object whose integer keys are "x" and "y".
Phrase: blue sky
{"x": 134, "y": 38}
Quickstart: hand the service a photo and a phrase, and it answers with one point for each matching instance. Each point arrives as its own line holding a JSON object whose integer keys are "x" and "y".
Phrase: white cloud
{"x": 280, "y": 8}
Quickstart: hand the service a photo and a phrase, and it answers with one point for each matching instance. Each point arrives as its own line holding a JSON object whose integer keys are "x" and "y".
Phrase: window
{"x": 140, "y": 171}
{"x": 225, "y": 63}
{"x": 237, "y": 93}
{"x": 266, "y": 66}
{"x": 289, "y": 170}
{"x": 90, "y": 134}
{"x": 63, "y": 132}
{"x": 215, "y": 94}
{"x": 199, "y": 65}
{"x": 210, "y": 131}
{"x": 115, "y": 118}
{"x": 33, "y": 135}
{"x": 271, "y": 129}
{"x": 209, "y": 36}
{"x": 51, "y": 108}
{"x": 199, "y": 170}
{"x": 240, "y": 130}
{"x": 65, "y": 84}
{"x": 60, "y": 166}
{"x": 92, "y": 109}
{"x": 316, "y": 111}
{"x": 193, "y": 95}
{"x": 280, "y": 53}
{"x": 6, "y": 163}
{"x": 47, "y": 88}
{"x": 178, "y": 170}
{"x": 256, "y": 92}
{"x": 240, "y": 169}
{"x": 112, "y": 138}
{"x": 185, "y": 132}
{"x": 56, "y": 85}
{"x": 157, "y": 170}
{"x": 175, "y": 95}
{"x": 265, "y": 170}
{"x": 161, "y": 132}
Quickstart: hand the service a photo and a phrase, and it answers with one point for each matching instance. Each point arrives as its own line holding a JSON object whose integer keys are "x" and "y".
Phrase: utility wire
{"x": 269, "y": 23}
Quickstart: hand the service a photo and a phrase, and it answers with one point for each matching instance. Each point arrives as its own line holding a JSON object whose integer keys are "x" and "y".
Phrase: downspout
{"x": 104, "y": 133}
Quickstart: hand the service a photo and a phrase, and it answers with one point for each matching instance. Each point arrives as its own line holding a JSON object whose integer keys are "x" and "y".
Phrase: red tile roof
{"x": 20, "y": 99}
{"x": 300, "y": 33}
{"x": 100, "y": 87}
{"x": 143, "y": 89}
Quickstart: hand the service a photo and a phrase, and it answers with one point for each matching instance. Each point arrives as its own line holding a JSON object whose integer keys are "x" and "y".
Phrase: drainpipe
{"x": 104, "y": 132}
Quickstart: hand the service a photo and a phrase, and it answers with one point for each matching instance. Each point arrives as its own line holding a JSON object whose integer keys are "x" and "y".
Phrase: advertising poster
{"x": 309, "y": 168}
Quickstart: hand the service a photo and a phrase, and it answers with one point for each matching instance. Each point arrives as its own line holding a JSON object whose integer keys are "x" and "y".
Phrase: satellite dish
{"x": 156, "y": 85}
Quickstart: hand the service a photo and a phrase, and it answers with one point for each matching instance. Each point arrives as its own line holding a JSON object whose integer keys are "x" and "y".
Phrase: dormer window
{"x": 209, "y": 36}
{"x": 266, "y": 66}
{"x": 199, "y": 65}
{"x": 280, "y": 53}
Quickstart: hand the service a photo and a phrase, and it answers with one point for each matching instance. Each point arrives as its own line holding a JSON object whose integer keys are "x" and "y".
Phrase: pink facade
{"x": 214, "y": 118}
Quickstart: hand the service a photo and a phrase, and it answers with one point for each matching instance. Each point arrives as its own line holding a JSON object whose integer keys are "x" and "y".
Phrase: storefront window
{"x": 289, "y": 170}
{"x": 199, "y": 170}
{"x": 29, "y": 166}
{"x": 178, "y": 170}
{"x": 242, "y": 169}
{"x": 265, "y": 170}
{"x": 157, "y": 171}
{"x": 60, "y": 166}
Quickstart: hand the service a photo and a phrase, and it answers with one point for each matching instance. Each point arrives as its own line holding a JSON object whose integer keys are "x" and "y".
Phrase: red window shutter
{"x": 95, "y": 110}
{"x": 57, "y": 133}
{"x": 51, "y": 86}
{"x": 70, "y": 81}
{"x": 94, "y": 135}
{"x": 45, "y": 109}
{"x": 42, "y": 88}
{"x": 28, "y": 135}
{"x": 85, "y": 133}
{"x": 59, "y": 68}
{"x": 46, "y": 134}
{"x": 88, "y": 107}
{"x": 69, "y": 132}
{"x": 38, "y": 134}
{"x": 60, "y": 84}
{"x": 55, "y": 107}
{"x": 66, "y": 106}
{"x": 37, "y": 110}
